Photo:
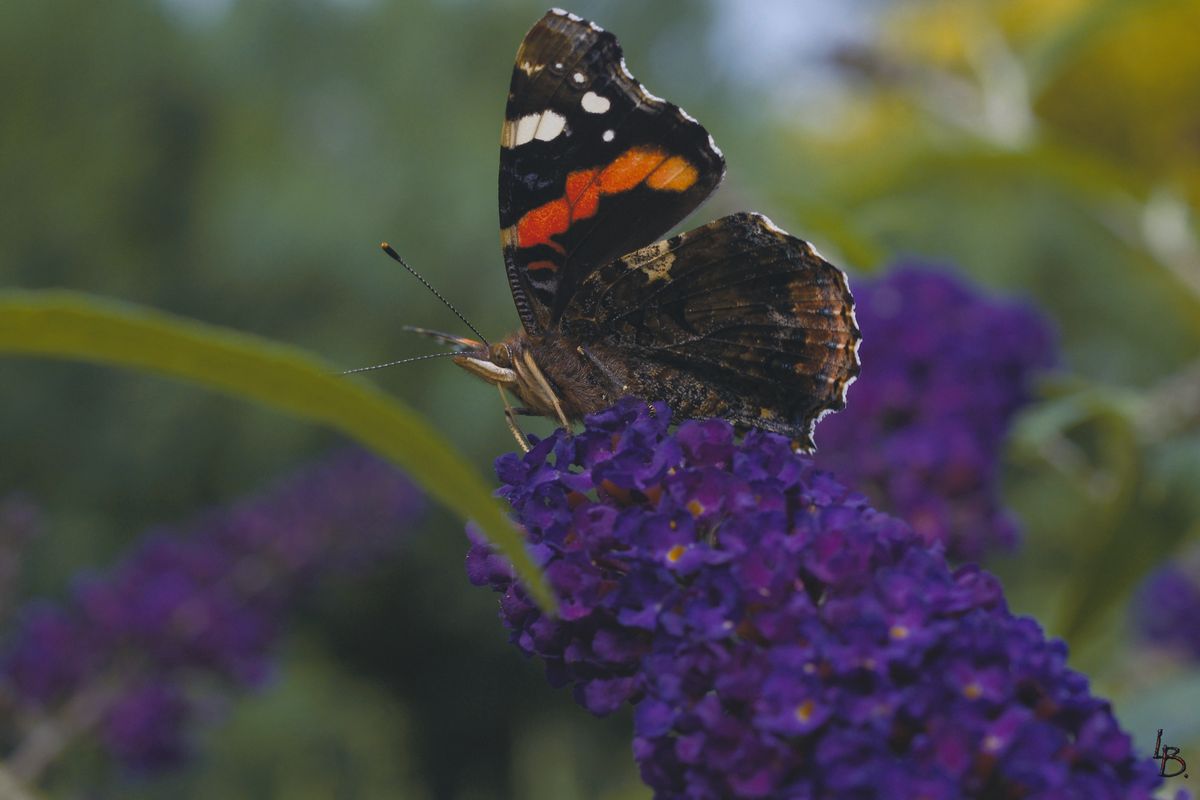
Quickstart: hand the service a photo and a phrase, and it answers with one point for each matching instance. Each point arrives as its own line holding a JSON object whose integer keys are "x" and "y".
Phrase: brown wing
{"x": 592, "y": 166}
{"x": 736, "y": 319}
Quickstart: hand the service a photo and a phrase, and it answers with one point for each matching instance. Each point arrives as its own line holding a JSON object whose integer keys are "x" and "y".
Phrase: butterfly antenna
{"x": 387, "y": 248}
{"x": 394, "y": 363}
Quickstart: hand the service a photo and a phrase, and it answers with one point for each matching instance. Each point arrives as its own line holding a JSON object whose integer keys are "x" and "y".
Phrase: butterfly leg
{"x": 544, "y": 386}
{"x": 510, "y": 418}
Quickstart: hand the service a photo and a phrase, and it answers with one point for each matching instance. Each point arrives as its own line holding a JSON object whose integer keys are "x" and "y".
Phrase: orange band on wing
{"x": 629, "y": 169}
{"x": 674, "y": 174}
{"x": 585, "y": 187}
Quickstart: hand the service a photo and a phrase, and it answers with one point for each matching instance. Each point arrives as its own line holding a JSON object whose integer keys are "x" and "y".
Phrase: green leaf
{"x": 71, "y": 325}
{"x": 1121, "y": 545}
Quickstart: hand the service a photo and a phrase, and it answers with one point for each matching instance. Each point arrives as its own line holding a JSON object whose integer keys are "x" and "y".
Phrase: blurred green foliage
{"x": 237, "y": 163}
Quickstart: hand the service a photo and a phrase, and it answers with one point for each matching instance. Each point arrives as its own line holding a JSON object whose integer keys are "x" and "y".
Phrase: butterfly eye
{"x": 500, "y": 356}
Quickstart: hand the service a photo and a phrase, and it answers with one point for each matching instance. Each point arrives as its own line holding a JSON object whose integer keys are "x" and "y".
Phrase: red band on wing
{"x": 585, "y": 187}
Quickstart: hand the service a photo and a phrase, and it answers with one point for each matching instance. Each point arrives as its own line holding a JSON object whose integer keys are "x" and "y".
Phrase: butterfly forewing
{"x": 735, "y": 319}
{"x": 592, "y": 166}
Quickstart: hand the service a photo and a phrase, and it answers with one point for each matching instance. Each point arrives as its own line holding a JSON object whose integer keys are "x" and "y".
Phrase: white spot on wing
{"x": 530, "y": 69}
{"x": 595, "y": 104}
{"x": 608, "y": 135}
{"x": 578, "y": 77}
{"x": 687, "y": 116}
{"x": 526, "y": 126}
{"x": 550, "y": 126}
{"x": 544, "y": 126}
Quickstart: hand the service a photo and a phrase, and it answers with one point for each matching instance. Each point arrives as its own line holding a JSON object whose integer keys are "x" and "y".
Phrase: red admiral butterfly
{"x": 735, "y": 319}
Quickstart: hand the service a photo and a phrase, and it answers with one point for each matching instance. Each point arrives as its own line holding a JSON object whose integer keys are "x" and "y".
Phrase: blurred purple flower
{"x": 144, "y": 726}
{"x": 946, "y": 368}
{"x": 205, "y": 600}
{"x": 778, "y": 637}
{"x": 1166, "y": 607}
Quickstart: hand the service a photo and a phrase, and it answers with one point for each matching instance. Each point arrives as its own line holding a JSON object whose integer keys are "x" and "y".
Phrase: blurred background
{"x": 238, "y": 163}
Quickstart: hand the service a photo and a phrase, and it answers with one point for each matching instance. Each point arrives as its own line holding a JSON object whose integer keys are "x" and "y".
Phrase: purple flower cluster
{"x": 1166, "y": 608}
{"x": 778, "y": 637}
{"x": 205, "y": 601}
{"x": 945, "y": 370}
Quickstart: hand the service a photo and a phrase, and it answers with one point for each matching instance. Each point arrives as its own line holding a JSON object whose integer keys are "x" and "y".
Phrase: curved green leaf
{"x": 62, "y": 324}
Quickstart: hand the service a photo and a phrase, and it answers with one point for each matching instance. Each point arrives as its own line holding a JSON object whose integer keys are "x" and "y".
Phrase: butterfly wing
{"x": 736, "y": 319}
{"x": 592, "y": 166}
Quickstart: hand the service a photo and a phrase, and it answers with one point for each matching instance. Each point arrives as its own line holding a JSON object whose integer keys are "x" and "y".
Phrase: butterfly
{"x": 735, "y": 319}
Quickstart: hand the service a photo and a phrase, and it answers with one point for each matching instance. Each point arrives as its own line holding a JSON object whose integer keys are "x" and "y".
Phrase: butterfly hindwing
{"x": 592, "y": 166}
{"x": 735, "y": 319}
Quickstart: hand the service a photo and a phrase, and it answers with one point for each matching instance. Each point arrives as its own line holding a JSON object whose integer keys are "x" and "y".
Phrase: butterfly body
{"x": 735, "y": 318}
{"x": 577, "y": 381}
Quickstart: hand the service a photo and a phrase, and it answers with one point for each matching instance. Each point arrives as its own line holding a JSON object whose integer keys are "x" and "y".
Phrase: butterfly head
{"x": 511, "y": 365}
{"x": 493, "y": 363}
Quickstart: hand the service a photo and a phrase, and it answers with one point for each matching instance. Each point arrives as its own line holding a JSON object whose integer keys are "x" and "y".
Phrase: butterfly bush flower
{"x": 1167, "y": 605}
{"x": 204, "y": 603}
{"x": 778, "y": 637}
{"x": 923, "y": 433}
